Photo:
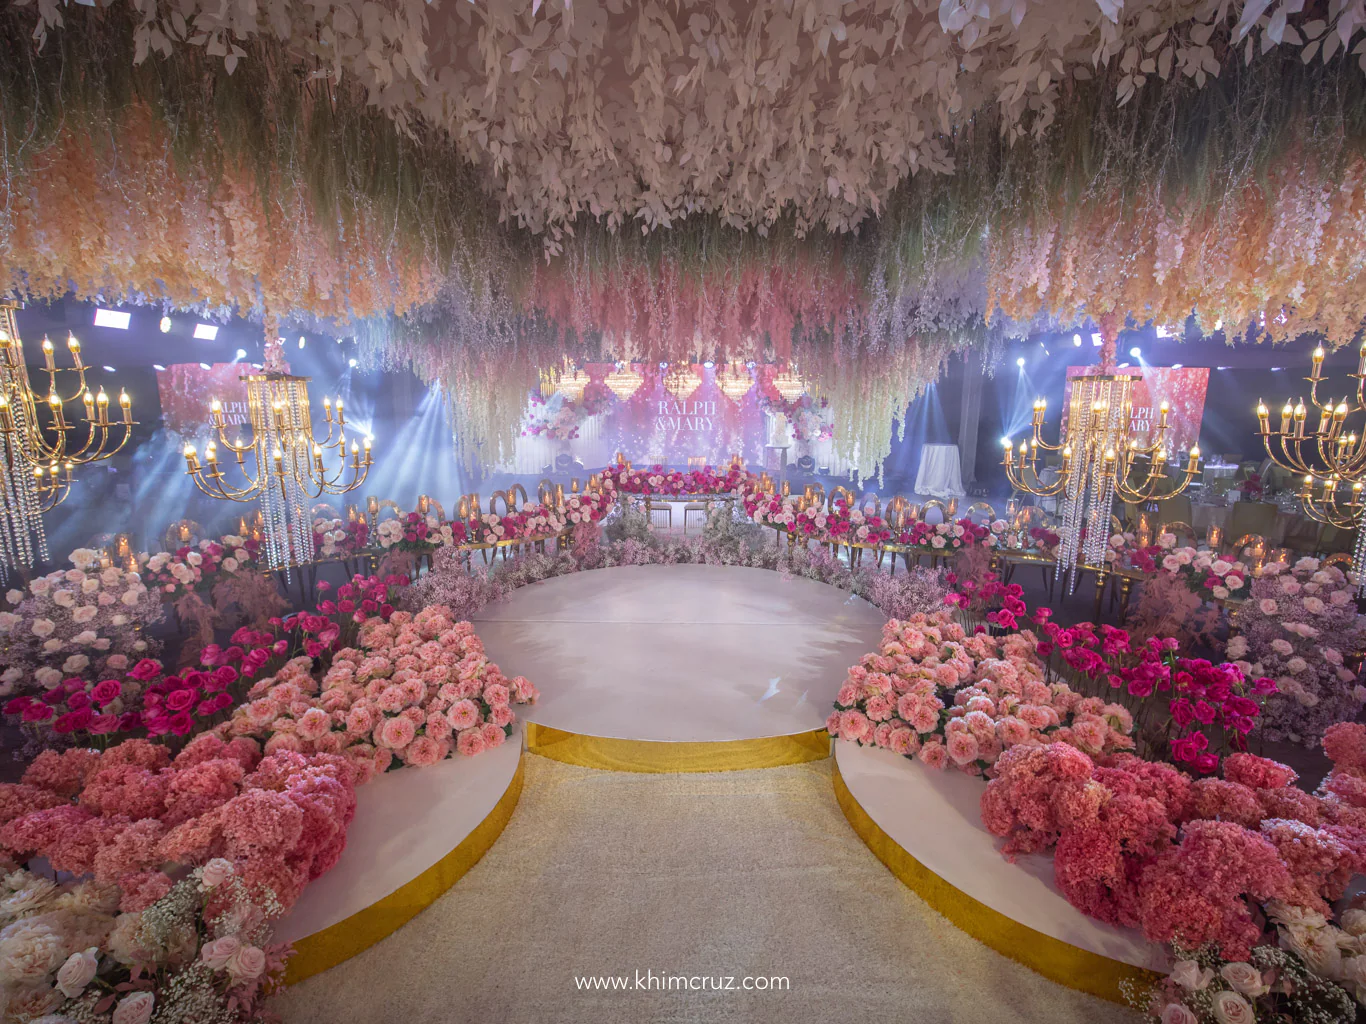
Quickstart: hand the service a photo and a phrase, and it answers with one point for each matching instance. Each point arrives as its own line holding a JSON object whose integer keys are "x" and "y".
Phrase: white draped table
{"x": 941, "y": 472}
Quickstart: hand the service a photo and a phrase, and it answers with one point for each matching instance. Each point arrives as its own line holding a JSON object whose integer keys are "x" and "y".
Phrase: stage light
{"x": 206, "y": 332}
{"x": 1177, "y": 366}
{"x": 1277, "y": 369}
{"x": 205, "y": 366}
{"x": 1045, "y": 352}
{"x": 1076, "y": 340}
{"x": 1042, "y": 346}
{"x": 302, "y": 341}
{"x": 1020, "y": 362}
{"x": 107, "y": 369}
{"x": 112, "y": 318}
{"x": 353, "y": 362}
{"x": 708, "y": 364}
{"x": 1136, "y": 352}
{"x": 165, "y": 325}
{"x": 241, "y": 353}
{"x": 158, "y": 367}
{"x": 1163, "y": 332}
{"x": 1097, "y": 341}
{"x": 1221, "y": 367}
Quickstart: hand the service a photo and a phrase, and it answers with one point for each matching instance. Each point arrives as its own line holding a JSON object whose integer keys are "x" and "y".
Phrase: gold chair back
{"x": 502, "y": 496}
{"x": 836, "y": 492}
{"x": 1341, "y": 560}
{"x": 934, "y": 503}
{"x": 468, "y": 507}
{"x": 898, "y": 511}
{"x": 322, "y": 510}
{"x": 516, "y": 495}
{"x": 1180, "y": 529}
{"x": 877, "y": 503}
{"x": 545, "y": 491}
{"x": 978, "y": 507}
{"x": 183, "y": 533}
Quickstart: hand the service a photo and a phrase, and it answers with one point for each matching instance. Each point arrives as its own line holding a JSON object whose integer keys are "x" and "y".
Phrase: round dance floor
{"x": 680, "y": 667}
{"x": 926, "y": 826}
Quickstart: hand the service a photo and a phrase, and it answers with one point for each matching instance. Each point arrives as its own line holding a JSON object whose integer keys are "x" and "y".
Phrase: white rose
{"x": 43, "y": 627}
{"x": 11, "y": 675}
{"x": 1354, "y": 922}
{"x": 1231, "y": 1008}
{"x": 230, "y": 564}
{"x": 14, "y": 596}
{"x": 1245, "y": 979}
{"x": 1175, "y": 1013}
{"x": 47, "y": 677}
{"x": 1167, "y": 540}
{"x": 1317, "y": 947}
{"x": 1220, "y": 567}
{"x": 1233, "y": 581}
{"x": 40, "y": 587}
{"x": 130, "y": 598}
{"x": 194, "y": 558}
{"x": 84, "y": 613}
{"x": 77, "y": 972}
{"x": 75, "y": 663}
{"x": 85, "y": 637}
{"x": 1219, "y": 593}
{"x": 52, "y": 645}
{"x": 8, "y": 620}
{"x": 64, "y": 598}
{"x": 1188, "y": 975}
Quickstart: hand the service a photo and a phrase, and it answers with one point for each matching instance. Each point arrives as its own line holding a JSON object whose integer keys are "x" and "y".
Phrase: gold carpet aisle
{"x": 729, "y": 874}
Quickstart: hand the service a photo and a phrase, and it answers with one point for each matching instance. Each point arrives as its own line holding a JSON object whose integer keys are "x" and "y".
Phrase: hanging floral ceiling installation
{"x": 854, "y": 187}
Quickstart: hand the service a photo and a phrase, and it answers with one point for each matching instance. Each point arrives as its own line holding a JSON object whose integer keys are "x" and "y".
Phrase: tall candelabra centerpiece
{"x": 1099, "y": 459}
{"x": 40, "y": 445}
{"x": 1330, "y": 459}
{"x": 288, "y": 469}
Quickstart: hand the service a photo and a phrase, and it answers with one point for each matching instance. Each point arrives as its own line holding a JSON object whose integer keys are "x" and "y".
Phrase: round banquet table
{"x": 941, "y": 472}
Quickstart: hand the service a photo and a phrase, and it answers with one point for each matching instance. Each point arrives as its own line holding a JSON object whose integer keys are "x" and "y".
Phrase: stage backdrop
{"x": 1184, "y": 389}
{"x": 186, "y": 389}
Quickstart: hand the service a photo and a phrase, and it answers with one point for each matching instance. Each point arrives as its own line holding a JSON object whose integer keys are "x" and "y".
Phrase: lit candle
{"x": 318, "y": 459}
{"x": 211, "y": 452}
{"x": 1306, "y": 491}
{"x": 47, "y": 355}
{"x": 216, "y": 412}
{"x": 74, "y": 347}
{"x": 190, "y": 461}
{"x": 1317, "y": 371}
{"x": 1300, "y": 413}
{"x": 279, "y": 457}
{"x": 341, "y": 413}
{"x": 1286, "y": 413}
{"x": 1162, "y": 410}
{"x": 1195, "y": 460}
{"x": 1263, "y": 418}
{"x": 1005, "y": 442}
{"x": 1361, "y": 363}
{"x": 126, "y": 404}
{"x": 366, "y": 445}
{"x": 88, "y": 400}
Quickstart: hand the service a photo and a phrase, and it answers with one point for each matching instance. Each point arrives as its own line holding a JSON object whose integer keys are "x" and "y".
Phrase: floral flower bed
{"x": 201, "y": 952}
{"x": 1205, "y": 573}
{"x": 950, "y": 698}
{"x": 1301, "y": 626}
{"x": 1243, "y": 868}
{"x": 339, "y": 538}
{"x": 841, "y": 524}
{"x": 676, "y": 483}
{"x": 414, "y": 690}
{"x": 77, "y": 622}
{"x": 197, "y": 569}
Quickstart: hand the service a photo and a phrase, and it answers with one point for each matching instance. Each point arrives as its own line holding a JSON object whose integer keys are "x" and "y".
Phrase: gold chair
{"x": 934, "y": 503}
{"x": 1341, "y": 560}
{"x": 1185, "y": 530}
{"x": 666, "y": 510}
{"x": 877, "y": 503}
{"x": 694, "y": 508}
{"x": 517, "y": 495}
{"x": 840, "y": 492}
{"x": 183, "y": 533}
{"x": 545, "y": 491}
{"x": 1252, "y": 517}
{"x": 980, "y": 506}
{"x": 1174, "y": 510}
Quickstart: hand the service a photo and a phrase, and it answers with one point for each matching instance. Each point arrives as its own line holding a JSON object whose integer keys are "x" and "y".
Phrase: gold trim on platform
{"x": 336, "y": 943}
{"x": 618, "y": 755}
{"x": 1068, "y": 965}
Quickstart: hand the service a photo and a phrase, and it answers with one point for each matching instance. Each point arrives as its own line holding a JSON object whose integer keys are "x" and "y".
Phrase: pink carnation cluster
{"x": 1141, "y": 844}
{"x": 125, "y": 814}
{"x": 934, "y": 692}
{"x": 414, "y": 690}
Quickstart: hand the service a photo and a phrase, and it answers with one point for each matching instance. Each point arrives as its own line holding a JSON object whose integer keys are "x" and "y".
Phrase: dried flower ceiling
{"x": 644, "y": 113}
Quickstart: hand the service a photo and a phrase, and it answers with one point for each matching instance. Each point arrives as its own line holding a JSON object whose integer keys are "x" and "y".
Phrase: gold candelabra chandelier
{"x": 790, "y": 385}
{"x": 1331, "y": 460}
{"x": 1099, "y": 459}
{"x": 37, "y": 451}
{"x": 288, "y": 470}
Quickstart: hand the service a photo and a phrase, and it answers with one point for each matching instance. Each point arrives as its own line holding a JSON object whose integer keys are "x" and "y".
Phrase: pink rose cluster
{"x": 946, "y": 536}
{"x": 1189, "y": 861}
{"x": 676, "y": 483}
{"x": 934, "y": 692}
{"x": 415, "y": 689}
{"x": 190, "y": 569}
{"x": 1205, "y": 573}
{"x": 124, "y": 815}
